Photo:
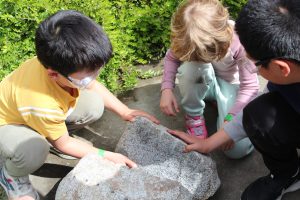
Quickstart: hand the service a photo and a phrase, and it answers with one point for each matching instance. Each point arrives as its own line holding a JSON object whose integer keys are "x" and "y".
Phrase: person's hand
{"x": 168, "y": 103}
{"x": 119, "y": 159}
{"x": 130, "y": 115}
{"x": 194, "y": 143}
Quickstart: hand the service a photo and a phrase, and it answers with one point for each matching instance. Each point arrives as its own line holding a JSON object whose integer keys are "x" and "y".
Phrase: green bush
{"x": 138, "y": 29}
{"x": 234, "y": 6}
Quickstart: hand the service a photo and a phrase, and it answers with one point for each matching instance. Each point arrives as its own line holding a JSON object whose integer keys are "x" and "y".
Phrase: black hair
{"x": 69, "y": 41}
{"x": 270, "y": 29}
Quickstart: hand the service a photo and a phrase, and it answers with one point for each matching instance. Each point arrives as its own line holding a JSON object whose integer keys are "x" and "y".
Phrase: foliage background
{"x": 138, "y": 30}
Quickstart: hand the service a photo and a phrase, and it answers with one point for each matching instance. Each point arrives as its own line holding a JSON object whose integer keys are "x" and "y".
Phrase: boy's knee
{"x": 94, "y": 115}
{"x": 28, "y": 157}
{"x": 90, "y": 100}
{"x": 257, "y": 115}
{"x": 90, "y": 107}
{"x": 248, "y": 123}
{"x": 91, "y": 113}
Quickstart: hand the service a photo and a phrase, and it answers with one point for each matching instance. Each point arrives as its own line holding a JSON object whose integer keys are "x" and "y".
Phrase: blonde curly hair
{"x": 200, "y": 31}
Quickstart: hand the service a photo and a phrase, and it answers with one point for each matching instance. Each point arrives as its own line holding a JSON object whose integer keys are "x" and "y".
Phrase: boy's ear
{"x": 283, "y": 66}
{"x": 52, "y": 74}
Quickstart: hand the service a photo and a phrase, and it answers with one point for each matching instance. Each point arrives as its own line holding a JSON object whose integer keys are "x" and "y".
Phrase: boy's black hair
{"x": 69, "y": 41}
{"x": 270, "y": 29}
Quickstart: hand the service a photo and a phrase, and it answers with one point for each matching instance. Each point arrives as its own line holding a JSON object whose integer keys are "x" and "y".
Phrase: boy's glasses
{"x": 265, "y": 62}
{"x": 83, "y": 83}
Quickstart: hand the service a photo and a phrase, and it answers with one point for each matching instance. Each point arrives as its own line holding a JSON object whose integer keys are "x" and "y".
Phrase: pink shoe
{"x": 196, "y": 126}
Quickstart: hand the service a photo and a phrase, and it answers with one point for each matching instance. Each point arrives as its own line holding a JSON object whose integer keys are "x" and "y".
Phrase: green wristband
{"x": 228, "y": 117}
{"x": 101, "y": 152}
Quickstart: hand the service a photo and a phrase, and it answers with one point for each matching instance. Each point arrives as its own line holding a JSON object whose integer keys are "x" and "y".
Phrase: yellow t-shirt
{"x": 29, "y": 97}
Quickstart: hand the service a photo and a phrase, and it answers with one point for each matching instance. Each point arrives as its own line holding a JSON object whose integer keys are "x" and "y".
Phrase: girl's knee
{"x": 194, "y": 72}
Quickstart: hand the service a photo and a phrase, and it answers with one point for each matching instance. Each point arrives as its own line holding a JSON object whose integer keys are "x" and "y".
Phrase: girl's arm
{"x": 171, "y": 64}
{"x": 249, "y": 84}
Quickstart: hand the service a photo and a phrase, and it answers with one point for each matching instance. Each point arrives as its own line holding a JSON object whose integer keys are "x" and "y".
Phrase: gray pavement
{"x": 235, "y": 175}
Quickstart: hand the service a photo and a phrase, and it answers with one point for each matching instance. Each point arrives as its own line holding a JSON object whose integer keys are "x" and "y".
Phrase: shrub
{"x": 234, "y": 6}
{"x": 138, "y": 29}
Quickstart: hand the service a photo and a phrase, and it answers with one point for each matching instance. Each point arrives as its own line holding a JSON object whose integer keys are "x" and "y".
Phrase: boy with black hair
{"x": 270, "y": 33}
{"x": 54, "y": 93}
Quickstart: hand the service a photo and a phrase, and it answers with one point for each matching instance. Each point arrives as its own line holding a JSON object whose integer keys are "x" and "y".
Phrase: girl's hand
{"x": 194, "y": 143}
{"x": 168, "y": 103}
{"x": 119, "y": 159}
{"x": 130, "y": 115}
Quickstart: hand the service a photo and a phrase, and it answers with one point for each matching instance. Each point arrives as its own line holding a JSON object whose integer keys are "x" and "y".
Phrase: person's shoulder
{"x": 29, "y": 67}
{"x": 31, "y": 61}
{"x": 236, "y": 44}
{"x": 236, "y": 47}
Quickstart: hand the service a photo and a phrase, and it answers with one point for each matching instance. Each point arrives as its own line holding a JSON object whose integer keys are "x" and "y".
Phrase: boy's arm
{"x": 233, "y": 131}
{"x": 114, "y": 104}
{"x": 202, "y": 145}
{"x": 78, "y": 149}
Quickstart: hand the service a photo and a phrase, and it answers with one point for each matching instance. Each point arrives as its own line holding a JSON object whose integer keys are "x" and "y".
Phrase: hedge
{"x": 138, "y": 29}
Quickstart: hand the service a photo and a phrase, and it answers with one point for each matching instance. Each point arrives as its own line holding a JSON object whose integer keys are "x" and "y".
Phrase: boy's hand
{"x": 131, "y": 114}
{"x": 119, "y": 159}
{"x": 194, "y": 143}
{"x": 168, "y": 103}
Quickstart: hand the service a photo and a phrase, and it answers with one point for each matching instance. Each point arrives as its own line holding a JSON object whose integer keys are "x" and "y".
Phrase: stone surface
{"x": 164, "y": 172}
{"x": 106, "y": 180}
{"x": 160, "y": 154}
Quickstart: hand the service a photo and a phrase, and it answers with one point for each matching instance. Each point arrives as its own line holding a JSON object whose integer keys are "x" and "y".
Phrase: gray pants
{"x": 25, "y": 150}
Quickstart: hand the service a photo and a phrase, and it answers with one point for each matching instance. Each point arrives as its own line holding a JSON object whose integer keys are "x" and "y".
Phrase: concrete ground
{"x": 235, "y": 175}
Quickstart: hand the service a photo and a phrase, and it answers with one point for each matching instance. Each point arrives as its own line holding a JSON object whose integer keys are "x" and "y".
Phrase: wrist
{"x": 229, "y": 117}
{"x": 101, "y": 152}
{"x": 208, "y": 145}
{"x": 124, "y": 113}
{"x": 167, "y": 90}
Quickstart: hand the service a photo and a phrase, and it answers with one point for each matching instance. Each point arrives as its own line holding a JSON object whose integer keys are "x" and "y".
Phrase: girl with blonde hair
{"x": 210, "y": 64}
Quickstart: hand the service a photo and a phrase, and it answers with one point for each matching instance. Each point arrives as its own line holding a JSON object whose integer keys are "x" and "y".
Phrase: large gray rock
{"x": 97, "y": 178}
{"x": 160, "y": 154}
{"x": 164, "y": 172}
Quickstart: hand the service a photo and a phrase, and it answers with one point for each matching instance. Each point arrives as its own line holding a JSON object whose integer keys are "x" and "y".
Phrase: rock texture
{"x": 164, "y": 172}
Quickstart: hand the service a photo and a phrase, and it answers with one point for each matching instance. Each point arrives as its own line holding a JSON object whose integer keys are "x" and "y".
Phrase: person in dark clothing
{"x": 269, "y": 31}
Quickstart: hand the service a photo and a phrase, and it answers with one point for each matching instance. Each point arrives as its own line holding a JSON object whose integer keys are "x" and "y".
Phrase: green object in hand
{"x": 101, "y": 152}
